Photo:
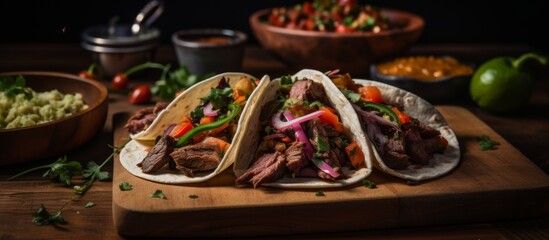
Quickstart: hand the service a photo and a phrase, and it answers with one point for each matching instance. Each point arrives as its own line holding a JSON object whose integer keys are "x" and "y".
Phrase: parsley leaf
{"x": 486, "y": 143}
{"x": 93, "y": 172}
{"x": 42, "y": 217}
{"x": 158, "y": 194}
{"x": 352, "y": 96}
{"x": 369, "y": 184}
{"x": 320, "y": 194}
{"x": 61, "y": 169}
{"x": 193, "y": 196}
{"x": 125, "y": 186}
{"x": 89, "y": 204}
{"x": 322, "y": 145}
{"x": 12, "y": 87}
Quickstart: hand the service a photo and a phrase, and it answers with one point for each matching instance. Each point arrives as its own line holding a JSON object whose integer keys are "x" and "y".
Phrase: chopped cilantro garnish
{"x": 486, "y": 143}
{"x": 320, "y": 194}
{"x": 158, "y": 194}
{"x": 125, "y": 186}
{"x": 369, "y": 184}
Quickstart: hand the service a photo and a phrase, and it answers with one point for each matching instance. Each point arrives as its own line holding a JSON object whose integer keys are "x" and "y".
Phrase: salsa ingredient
{"x": 20, "y": 106}
{"x": 504, "y": 84}
{"x": 42, "y": 217}
{"x": 486, "y": 143}
{"x": 62, "y": 169}
{"x": 424, "y": 67}
{"x": 140, "y": 94}
{"x": 88, "y": 74}
{"x": 340, "y": 16}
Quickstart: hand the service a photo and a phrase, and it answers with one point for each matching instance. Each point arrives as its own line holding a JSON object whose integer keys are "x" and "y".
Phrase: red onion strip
{"x": 300, "y": 135}
{"x": 208, "y": 110}
{"x": 280, "y": 125}
{"x": 169, "y": 129}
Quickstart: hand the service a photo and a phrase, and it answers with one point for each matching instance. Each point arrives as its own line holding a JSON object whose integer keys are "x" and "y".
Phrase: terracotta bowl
{"x": 57, "y": 137}
{"x": 350, "y": 52}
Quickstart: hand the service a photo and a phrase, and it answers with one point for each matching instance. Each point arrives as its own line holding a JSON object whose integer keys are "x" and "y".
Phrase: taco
{"x": 410, "y": 138}
{"x": 196, "y": 136}
{"x": 303, "y": 134}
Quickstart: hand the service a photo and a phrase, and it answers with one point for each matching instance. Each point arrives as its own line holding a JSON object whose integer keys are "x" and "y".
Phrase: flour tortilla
{"x": 135, "y": 150}
{"x": 427, "y": 114}
{"x": 348, "y": 118}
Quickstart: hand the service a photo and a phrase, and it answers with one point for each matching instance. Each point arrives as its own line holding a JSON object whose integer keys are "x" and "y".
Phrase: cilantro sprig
{"x": 14, "y": 86}
{"x": 42, "y": 217}
{"x": 486, "y": 143}
{"x": 172, "y": 82}
{"x": 61, "y": 169}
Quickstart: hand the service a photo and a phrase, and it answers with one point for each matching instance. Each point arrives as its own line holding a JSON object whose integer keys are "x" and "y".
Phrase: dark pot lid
{"x": 104, "y": 39}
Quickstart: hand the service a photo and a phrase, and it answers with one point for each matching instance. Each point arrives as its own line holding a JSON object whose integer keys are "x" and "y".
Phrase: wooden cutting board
{"x": 491, "y": 185}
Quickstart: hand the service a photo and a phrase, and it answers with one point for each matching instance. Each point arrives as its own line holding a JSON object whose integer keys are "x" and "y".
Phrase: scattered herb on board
{"x": 89, "y": 204}
{"x": 320, "y": 194}
{"x": 193, "y": 196}
{"x": 12, "y": 87}
{"x": 125, "y": 186}
{"x": 61, "y": 169}
{"x": 486, "y": 143}
{"x": 42, "y": 217}
{"x": 93, "y": 171}
{"x": 369, "y": 184}
{"x": 158, "y": 194}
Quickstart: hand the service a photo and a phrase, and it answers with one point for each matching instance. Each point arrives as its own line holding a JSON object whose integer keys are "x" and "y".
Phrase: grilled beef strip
{"x": 267, "y": 168}
{"x": 197, "y": 157}
{"x": 143, "y": 118}
{"x": 159, "y": 155}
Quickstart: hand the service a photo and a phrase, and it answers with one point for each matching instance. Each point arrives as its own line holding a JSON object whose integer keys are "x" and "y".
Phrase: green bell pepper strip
{"x": 235, "y": 109}
{"x": 382, "y": 109}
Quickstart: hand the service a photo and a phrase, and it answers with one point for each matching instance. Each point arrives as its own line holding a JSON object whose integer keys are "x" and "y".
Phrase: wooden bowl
{"x": 350, "y": 52}
{"x": 49, "y": 139}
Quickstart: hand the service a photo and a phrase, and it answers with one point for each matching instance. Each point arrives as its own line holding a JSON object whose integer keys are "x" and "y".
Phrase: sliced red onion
{"x": 280, "y": 125}
{"x": 208, "y": 110}
{"x": 302, "y": 137}
{"x": 333, "y": 73}
{"x": 274, "y": 136}
{"x": 169, "y": 129}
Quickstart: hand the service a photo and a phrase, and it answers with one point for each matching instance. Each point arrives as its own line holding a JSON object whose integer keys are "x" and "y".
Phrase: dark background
{"x": 447, "y": 22}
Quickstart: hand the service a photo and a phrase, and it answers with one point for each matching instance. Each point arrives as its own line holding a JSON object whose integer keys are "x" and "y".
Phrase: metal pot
{"x": 117, "y": 47}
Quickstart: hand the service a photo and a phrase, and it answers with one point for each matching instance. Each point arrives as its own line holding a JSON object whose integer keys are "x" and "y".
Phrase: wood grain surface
{"x": 492, "y": 185}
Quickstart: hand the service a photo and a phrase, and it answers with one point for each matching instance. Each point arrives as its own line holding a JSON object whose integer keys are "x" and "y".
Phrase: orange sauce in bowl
{"x": 424, "y": 67}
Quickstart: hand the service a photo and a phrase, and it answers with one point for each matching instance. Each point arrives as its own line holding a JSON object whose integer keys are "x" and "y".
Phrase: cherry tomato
{"x": 140, "y": 94}
{"x": 120, "y": 81}
{"x": 86, "y": 74}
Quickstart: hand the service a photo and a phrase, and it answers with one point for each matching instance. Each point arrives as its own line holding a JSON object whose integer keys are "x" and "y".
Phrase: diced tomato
{"x": 309, "y": 24}
{"x": 222, "y": 144}
{"x": 343, "y": 29}
{"x": 402, "y": 117}
{"x": 275, "y": 20}
{"x": 308, "y": 8}
{"x": 370, "y": 93}
{"x": 207, "y": 119}
{"x": 180, "y": 129}
{"x": 331, "y": 118}
{"x": 355, "y": 154}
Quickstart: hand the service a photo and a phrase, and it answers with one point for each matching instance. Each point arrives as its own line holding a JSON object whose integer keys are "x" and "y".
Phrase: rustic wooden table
{"x": 527, "y": 130}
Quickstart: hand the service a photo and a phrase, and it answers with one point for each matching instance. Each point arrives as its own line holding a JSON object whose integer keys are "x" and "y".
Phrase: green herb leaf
{"x": 320, "y": 194}
{"x": 193, "y": 196}
{"x": 322, "y": 146}
{"x": 125, "y": 186}
{"x": 95, "y": 170}
{"x": 369, "y": 184}
{"x": 61, "y": 169}
{"x": 158, "y": 194}
{"x": 486, "y": 143}
{"x": 89, "y": 204}
{"x": 12, "y": 87}
{"x": 42, "y": 217}
{"x": 352, "y": 96}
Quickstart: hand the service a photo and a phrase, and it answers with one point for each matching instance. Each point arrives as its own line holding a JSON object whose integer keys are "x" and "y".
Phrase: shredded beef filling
{"x": 197, "y": 157}
{"x": 143, "y": 118}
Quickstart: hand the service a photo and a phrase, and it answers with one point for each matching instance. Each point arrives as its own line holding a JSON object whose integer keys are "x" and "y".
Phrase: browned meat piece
{"x": 396, "y": 160}
{"x": 143, "y": 118}
{"x": 307, "y": 90}
{"x": 295, "y": 159}
{"x": 159, "y": 155}
{"x": 267, "y": 168}
{"x": 197, "y": 157}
